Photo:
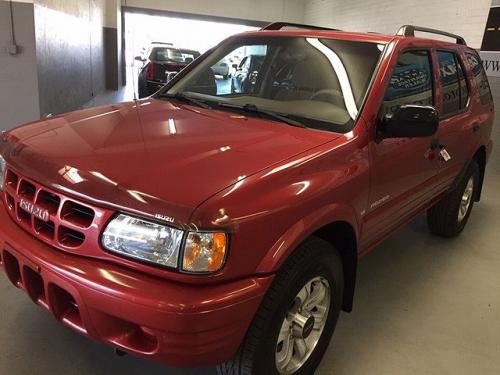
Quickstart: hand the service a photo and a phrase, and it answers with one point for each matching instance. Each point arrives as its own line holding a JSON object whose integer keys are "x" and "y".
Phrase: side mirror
{"x": 139, "y": 58}
{"x": 235, "y": 66}
{"x": 409, "y": 121}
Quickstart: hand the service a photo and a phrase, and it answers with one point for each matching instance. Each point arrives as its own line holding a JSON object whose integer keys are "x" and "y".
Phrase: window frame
{"x": 429, "y": 51}
{"x": 458, "y": 61}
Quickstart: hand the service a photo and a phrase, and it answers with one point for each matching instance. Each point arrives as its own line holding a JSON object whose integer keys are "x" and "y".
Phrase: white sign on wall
{"x": 491, "y": 63}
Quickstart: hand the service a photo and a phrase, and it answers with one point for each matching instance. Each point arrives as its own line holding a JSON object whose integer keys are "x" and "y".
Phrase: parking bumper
{"x": 173, "y": 323}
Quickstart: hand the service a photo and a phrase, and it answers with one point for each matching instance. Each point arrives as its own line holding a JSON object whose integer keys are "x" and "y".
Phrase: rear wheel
{"x": 448, "y": 217}
{"x": 297, "y": 317}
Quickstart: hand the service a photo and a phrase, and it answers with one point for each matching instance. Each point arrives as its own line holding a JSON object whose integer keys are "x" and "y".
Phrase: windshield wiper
{"x": 187, "y": 99}
{"x": 251, "y": 108}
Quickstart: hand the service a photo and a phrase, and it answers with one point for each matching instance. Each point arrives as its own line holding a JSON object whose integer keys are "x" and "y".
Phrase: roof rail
{"x": 282, "y": 25}
{"x": 409, "y": 30}
{"x": 168, "y": 44}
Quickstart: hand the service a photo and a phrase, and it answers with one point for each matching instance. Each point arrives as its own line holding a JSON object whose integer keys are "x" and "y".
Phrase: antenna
{"x": 133, "y": 84}
{"x": 134, "y": 73}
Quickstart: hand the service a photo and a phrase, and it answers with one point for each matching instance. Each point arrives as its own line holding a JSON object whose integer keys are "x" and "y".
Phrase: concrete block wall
{"x": 464, "y": 17}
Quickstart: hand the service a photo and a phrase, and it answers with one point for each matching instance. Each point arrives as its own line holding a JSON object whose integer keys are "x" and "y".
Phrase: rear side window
{"x": 455, "y": 92}
{"x": 479, "y": 77}
{"x": 411, "y": 81}
{"x": 169, "y": 54}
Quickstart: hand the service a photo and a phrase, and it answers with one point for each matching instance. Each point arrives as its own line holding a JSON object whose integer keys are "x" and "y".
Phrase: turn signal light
{"x": 204, "y": 252}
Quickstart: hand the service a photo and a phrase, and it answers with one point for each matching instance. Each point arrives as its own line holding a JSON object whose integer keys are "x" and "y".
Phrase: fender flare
{"x": 301, "y": 230}
{"x": 478, "y": 157}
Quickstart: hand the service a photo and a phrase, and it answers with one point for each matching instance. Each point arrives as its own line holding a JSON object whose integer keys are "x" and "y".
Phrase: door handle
{"x": 436, "y": 145}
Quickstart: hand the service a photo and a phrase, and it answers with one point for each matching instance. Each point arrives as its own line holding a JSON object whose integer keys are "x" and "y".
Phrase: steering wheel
{"x": 330, "y": 92}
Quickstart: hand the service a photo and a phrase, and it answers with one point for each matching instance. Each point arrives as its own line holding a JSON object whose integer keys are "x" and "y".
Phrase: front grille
{"x": 69, "y": 223}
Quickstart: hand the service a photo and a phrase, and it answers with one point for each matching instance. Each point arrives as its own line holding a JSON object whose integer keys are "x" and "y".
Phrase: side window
{"x": 455, "y": 93}
{"x": 411, "y": 81}
{"x": 479, "y": 77}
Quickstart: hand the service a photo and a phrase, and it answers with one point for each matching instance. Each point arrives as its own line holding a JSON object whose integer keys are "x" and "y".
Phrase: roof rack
{"x": 409, "y": 30}
{"x": 282, "y": 25}
{"x": 165, "y": 43}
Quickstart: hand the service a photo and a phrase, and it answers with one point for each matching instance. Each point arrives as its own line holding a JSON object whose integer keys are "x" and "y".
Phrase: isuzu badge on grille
{"x": 38, "y": 212}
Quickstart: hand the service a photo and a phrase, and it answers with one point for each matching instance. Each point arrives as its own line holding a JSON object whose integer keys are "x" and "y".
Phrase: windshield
{"x": 319, "y": 82}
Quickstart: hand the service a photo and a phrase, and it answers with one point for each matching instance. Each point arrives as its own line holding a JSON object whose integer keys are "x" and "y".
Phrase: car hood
{"x": 152, "y": 157}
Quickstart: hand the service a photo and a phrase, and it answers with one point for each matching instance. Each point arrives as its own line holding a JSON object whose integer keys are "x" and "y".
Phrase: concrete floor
{"x": 424, "y": 305}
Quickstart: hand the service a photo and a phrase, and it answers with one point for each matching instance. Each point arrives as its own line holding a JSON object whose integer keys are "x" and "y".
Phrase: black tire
{"x": 256, "y": 356}
{"x": 442, "y": 218}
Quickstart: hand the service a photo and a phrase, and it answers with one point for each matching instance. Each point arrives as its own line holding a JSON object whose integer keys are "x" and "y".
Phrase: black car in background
{"x": 160, "y": 62}
{"x": 245, "y": 76}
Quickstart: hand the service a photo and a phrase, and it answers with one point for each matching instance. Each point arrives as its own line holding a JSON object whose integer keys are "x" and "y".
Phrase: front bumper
{"x": 173, "y": 323}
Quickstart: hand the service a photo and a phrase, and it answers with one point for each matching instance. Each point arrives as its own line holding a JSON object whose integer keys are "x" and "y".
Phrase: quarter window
{"x": 479, "y": 77}
{"x": 454, "y": 86}
{"x": 411, "y": 81}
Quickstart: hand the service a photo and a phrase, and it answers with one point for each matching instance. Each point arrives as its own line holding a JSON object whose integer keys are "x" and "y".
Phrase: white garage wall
{"x": 464, "y": 17}
{"x": 258, "y": 10}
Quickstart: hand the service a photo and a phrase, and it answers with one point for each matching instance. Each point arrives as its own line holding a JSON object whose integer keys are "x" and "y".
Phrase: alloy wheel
{"x": 466, "y": 200}
{"x": 303, "y": 325}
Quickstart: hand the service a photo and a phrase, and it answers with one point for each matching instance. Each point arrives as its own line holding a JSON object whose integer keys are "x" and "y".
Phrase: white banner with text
{"x": 491, "y": 63}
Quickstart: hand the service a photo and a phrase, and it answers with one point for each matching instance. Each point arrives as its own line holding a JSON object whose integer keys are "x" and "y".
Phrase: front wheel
{"x": 297, "y": 317}
{"x": 448, "y": 217}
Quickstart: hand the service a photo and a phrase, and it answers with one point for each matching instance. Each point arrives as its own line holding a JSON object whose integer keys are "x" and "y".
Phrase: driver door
{"x": 403, "y": 169}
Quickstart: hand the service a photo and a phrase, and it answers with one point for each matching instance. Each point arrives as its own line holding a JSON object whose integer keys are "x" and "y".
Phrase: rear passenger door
{"x": 458, "y": 124}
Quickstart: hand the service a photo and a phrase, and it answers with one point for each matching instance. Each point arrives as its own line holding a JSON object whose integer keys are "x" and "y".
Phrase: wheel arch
{"x": 341, "y": 235}
{"x": 480, "y": 158}
{"x": 337, "y": 225}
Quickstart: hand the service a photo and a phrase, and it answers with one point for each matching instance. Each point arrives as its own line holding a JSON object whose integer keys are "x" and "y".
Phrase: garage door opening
{"x": 171, "y": 37}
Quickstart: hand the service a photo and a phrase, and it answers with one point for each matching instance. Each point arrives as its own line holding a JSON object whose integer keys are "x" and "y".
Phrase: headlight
{"x": 204, "y": 252}
{"x": 143, "y": 240}
{"x": 3, "y": 168}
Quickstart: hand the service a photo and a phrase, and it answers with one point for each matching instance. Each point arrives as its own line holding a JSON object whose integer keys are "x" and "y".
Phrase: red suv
{"x": 202, "y": 226}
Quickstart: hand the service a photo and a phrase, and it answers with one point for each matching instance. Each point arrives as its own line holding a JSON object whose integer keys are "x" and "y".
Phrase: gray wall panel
{"x": 70, "y": 53}
{"x": 97, "y": 15}
{"x": 111, "y": 53}
{"x": 18, "y": 73}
